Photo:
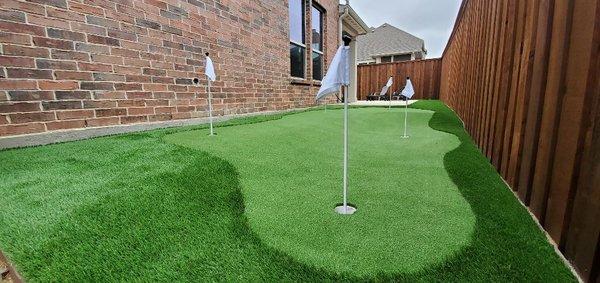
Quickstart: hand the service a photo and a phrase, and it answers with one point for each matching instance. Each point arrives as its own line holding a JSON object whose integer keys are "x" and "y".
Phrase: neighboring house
{"x": 388, "y": 43}
{"x": 110, "y": 63}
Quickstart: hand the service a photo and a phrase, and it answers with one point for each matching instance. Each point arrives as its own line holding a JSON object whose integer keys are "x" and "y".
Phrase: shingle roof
{"x": 387, "y": 40}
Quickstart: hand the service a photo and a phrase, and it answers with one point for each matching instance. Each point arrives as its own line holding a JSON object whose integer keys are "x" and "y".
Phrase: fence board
{"x": 524, "y": 77}
{"x": 424, "y": 74}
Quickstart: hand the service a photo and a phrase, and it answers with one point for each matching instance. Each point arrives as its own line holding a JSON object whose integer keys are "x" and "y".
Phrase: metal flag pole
{"x": 345, "y": 208}
{"x": 212, "y": 133}
{"x": 390, "y": 91}
{"x": 405, "y": 118}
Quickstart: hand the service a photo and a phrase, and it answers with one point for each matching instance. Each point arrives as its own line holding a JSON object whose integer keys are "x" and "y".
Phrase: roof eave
{"x": 354, "y": 18}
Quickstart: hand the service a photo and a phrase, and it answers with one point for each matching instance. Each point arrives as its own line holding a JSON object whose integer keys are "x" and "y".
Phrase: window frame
{"x": 302, "y": 45}
{"x": 321, "y": 52}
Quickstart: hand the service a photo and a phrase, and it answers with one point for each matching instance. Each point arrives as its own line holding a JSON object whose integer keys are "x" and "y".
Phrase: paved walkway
{"x": 381, "y": 103}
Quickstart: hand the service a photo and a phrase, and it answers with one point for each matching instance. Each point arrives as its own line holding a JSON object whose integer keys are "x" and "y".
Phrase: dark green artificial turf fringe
{"x": 137, "y": 208}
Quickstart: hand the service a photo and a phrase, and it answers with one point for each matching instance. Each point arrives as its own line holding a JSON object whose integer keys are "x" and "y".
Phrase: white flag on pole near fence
{"x": 338, "y": 74}
{"x": 409, "y": 90}
{"x": 390, "y": 82}
{"x": 210, "y": 69}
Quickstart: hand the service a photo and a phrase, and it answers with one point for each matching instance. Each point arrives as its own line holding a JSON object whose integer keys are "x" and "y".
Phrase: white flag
{"x": 408, "y": 91}
{"x": 390, "y": 82}
{"x": 338, "y": 74}
{"x": 210, "y": 69}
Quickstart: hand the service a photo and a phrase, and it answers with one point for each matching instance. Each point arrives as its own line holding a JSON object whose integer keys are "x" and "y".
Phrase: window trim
{"x": 299, "y": 44}
{"x": 322, "y": 14}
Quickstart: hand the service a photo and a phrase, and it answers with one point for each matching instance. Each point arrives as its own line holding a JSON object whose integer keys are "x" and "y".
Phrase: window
{"x": 317, "y": 42}
{"x": 386, "y": 59}
{"x": 297, "y": 39}
{"x": 404, "y": 57}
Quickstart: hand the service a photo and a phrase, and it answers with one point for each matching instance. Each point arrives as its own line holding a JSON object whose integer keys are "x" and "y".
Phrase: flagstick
{"x": 405, "y": 119}
{"x": 212, "y": 133}
{"x": 390, "y": 91}
{"x": 346, "y": 150}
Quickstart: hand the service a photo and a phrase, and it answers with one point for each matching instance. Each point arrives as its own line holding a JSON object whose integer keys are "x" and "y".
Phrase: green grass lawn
{"x": 256, "y": 203}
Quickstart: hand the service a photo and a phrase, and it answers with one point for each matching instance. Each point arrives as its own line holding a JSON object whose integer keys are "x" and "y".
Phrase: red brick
{"x": 21, "y": 28}
{"x": 3, "y": 120}
{"x": 48, "y": 22}
{"x": 19, "y": 107}
{"x": 128, "y": 86}
{"x": 11, "y": 130}
{"x": 12, "y": 16}
{"x": 65, "y": 34}
{"x": 35, "y": 95}
{"x": 58, "y": 85}
{"x": 111, "y": 112}
{"x": 102, "y": 122}
{"x": 157, "y": 102}
{"x": 26, "y": 51}
{"x": 7, "y": 61}
{"x": 64, "y": 14}
{"x": 98, "y": 85}
{"x": 17, "y": 84}
{"x": 128, "y": 70}
{"x": 55, "y": 64}
{"x": 64, "y": 125}
{"x": 110, "y": 95}
{"x": 3, "y": 95}
{"x": 94, "y": 67}
{"x": 70, "y": 55}
{"x": 73, "y": 75}
{"x": 139, "y": 95}
{"x": 92, "y": 48}
{"x": 131, "y": 103}
{"x": 86, "y": 9}
{"x": 74, "y": 114}
{"x": 134, "y": 119}
{"x": 160, "y": 117}
{"x": 89, "y": 29}
{"x": 22, "y": 118}
{"x": 61, "y": 105}
{"x": 55, "y": 3}
{"x": 137, "y": 78}
{"x": 53, "y": 43}
{"x": 163, "y": 110}
{"x": 108, "y": 59}
{"x": 99, "y": 104}
{"x": 96, "y": 39}
{"x": 72, "y": 94}
{"x": 109, "y": 77}
{"x": 124, "y": 52}
{"x": 28, "y": 73}
{"x": 22, "y": 6}
{"x": 22, "y": 39}
{"x": 140, "y": 111}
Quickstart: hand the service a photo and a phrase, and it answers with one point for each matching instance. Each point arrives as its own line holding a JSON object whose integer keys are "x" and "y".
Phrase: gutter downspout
{"x": 340, "y": 26}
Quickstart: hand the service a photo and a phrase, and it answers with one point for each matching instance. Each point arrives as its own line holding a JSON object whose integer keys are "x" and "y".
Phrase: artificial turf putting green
{"x": 256, "y": 203}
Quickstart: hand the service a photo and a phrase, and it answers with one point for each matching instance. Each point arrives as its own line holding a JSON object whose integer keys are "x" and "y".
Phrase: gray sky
{"x": 431, "y": 20}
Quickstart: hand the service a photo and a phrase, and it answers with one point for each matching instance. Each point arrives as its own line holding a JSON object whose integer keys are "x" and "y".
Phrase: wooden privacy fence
{"x": 524, "y": 77}
{"x": 424, "y": 74}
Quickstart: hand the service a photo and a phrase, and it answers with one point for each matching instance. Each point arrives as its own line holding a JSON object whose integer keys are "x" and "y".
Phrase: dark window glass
{"x": 404, "y": 57}
{"x": 317, "y": 29}
{"x": 297, "y": 21}
{"x": 386, "y": 59}
{"x": 317, "y": 61}
{"x": 297, "y": 61}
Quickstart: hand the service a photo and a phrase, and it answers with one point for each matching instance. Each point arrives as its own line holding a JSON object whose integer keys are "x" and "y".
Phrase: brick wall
{"x": 90, "y": 63}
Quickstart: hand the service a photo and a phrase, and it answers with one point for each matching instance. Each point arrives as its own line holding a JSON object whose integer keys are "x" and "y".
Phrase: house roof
{"x": 387, "y": 40}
